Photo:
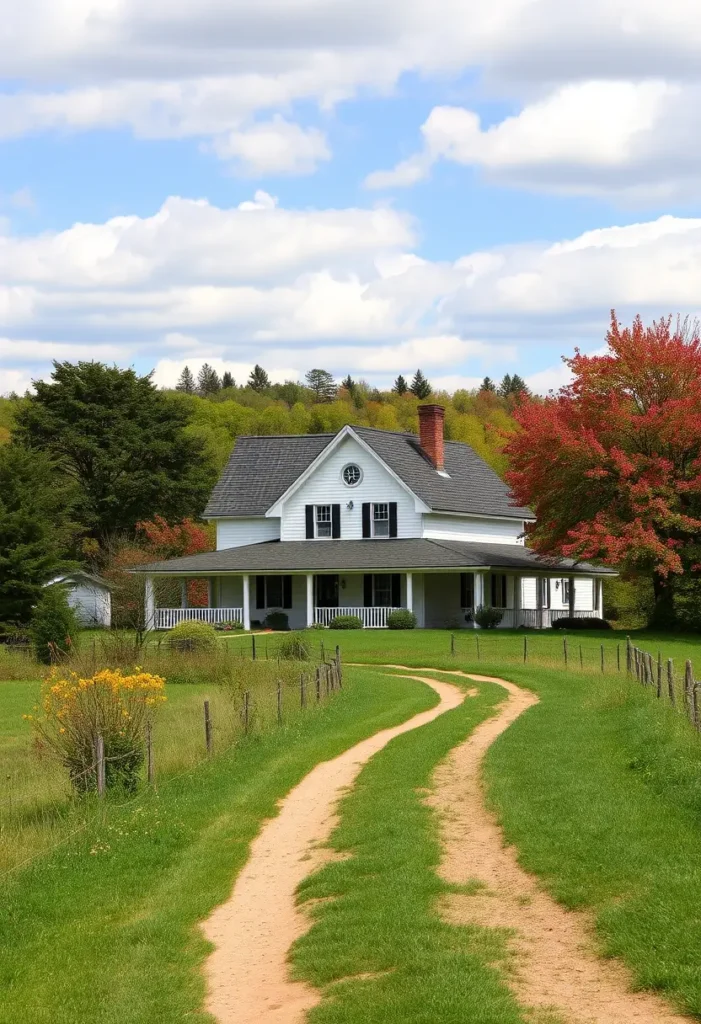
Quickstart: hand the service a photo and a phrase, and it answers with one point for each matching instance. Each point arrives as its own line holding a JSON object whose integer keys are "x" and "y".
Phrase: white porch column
{"x": 246, "y": 602}
{"x": 518, "y": 586}
{"x": 410, "y": 591}
{"x": 572, "y": 602}
{"x": 310, "y": 600}
{"x": 149, "y": 603}
{"x": 599, "y": 598}
{"x": 183, "y": 593}
{"x": 479, "y": 590}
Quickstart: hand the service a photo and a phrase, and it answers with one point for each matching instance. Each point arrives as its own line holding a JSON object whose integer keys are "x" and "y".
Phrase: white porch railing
{"x": 372, "y": 618}
{"x": 166, "y": 618}
{"x": 534, "y": 618}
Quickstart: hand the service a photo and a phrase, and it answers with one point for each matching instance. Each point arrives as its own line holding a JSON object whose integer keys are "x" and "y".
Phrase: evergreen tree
{"x": 349, "y": 384}
{"x": 186, "y": 382}
{"x": 321, "y": 384}
{"x": 487, "y": 384}
{"x": 54, "y": 626}
{"x": 506, "y": 386}
{"x": 420, "y": 386}
{"x": 258, "y": 379}
{"x": 400, "y": 386}
{"x": 208, "y": 382}
{"x": 122, "y": 440}
{"x": 227, "y": 380}
{"x": 519, "y": 386}
{"x": 35, "y": 504}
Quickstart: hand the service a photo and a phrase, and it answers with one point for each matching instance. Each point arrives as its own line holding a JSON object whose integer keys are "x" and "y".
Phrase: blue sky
{"x": 460, "y": 187}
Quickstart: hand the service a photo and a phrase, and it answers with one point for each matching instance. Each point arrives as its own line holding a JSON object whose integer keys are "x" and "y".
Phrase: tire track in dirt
{"x": 247, "y": 973}
{"x": 556, "y": 968}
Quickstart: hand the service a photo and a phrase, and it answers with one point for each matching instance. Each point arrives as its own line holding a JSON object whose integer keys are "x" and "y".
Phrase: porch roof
{"x": 416, "y": 553}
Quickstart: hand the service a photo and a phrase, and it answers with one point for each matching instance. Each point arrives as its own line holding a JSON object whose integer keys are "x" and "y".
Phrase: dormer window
{"x": 352, "y": 475}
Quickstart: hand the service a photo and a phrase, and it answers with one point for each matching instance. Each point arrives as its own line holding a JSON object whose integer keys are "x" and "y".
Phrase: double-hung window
{"x": 380, "y": 519}
{"x": 565, "y": 584}
{"x": 323, "y": 521}
{"x": 382, "y": 590}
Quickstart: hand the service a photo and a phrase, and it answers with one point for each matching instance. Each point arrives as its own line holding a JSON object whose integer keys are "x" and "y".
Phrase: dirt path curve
{"x": 247, "y": 973}
{"x": 556, "y": 966}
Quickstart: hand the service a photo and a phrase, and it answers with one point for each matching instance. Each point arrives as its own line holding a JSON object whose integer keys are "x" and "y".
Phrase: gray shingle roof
{"x": 372, "y": 555}
{"x": 262, "y": 468}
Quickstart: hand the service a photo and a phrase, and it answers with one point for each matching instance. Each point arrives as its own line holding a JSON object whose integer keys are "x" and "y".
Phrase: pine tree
{"x": 487, "y": 384}
{"x": 258, "y": 379}
{"x": 420, "y": 386}
{"x": 227, "y": 380}
{"x": 400, "y": 386}
{"x": 349, "y": 384}
{"x": 208, "y": 382}
{"x": 186, "y": 382}
{"x": 506, "y": 386}
{"x": 321, "y": 384}
{"x": 519, "y": 386}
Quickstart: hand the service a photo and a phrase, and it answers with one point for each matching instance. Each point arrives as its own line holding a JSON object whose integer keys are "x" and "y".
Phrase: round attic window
{"x": 352, "y": 475}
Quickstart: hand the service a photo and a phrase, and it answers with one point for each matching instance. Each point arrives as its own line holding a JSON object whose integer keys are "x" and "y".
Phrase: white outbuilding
{"x": 89, "y": 596}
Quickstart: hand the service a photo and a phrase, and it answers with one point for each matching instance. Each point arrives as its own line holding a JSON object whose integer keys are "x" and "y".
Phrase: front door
{"x": 327, "y": 591}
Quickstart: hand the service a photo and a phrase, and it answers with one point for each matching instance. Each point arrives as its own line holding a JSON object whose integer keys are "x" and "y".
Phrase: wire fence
{"x": 41, "y": 801}
{"x": 547, "y": 651}
{"x": 683, "y": 693}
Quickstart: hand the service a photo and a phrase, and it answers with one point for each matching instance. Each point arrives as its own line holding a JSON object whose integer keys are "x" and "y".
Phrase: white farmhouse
{"x": 89, "y": 596}
{"x": 365, "y": 521}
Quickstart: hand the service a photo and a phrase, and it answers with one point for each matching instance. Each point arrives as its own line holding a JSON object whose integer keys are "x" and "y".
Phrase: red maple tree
{"x": 174, "y": 541}
{"x": 611, "y": 464}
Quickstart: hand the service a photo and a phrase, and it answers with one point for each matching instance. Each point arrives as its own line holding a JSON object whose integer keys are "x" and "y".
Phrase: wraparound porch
{"x": 445, "y": 599}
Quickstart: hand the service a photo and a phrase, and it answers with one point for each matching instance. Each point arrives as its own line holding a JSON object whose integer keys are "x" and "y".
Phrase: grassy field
{"x": 103, "y": 930}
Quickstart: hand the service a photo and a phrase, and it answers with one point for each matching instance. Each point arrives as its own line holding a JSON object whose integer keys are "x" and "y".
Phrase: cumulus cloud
{"x": 339, "y": 288}
{"x": 273, "y": 147}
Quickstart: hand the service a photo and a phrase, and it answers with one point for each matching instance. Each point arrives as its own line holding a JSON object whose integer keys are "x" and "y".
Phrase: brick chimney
{"x": 431, "y": 433}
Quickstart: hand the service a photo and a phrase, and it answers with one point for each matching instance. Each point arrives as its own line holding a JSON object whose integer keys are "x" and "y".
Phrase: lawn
{"x": 104, "y": 928}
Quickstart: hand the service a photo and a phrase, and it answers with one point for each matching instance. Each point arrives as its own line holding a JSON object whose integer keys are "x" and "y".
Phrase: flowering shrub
{"x": 73, "y": 712}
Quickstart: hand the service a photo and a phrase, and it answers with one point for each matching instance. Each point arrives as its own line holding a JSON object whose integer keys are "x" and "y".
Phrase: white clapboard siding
{"x": 234, "y": 533}
{"x": 326, "y": 486}
{"x": 584, "y": 595}
{"x": 528, "y": 592}
{"x": 438, "y": 526}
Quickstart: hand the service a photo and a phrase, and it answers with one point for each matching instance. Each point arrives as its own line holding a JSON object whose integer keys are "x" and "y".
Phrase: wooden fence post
{"x": 688, "y": 684}
{"x": 318, "y": 683}
{"x": 659, "y": 674}
{"x": 452, "y": 644}
{"x": 149, "y": 755}
{"x": 323, "y": 653}
{"x": 207, "y": 727}
{"x": 618, "y": 657}
{"x": 253, "y": 646}
{"x": 477, "y": 638}
{"x": 695, "y": 705}
{"x": 602, "y": 659}
{"x": 279, "y": 702}
{"x": 246, "y": 717}
{"x": 338, "y": 667}
{"x": 100, "y": 764}
{"x": 581, "y": 657}
{"x": 670, "y": 683}
{"x": 301, "y": 690}
{"x": 629, "y": 656}
{"x": 525, "y": 649}
{"x": 564, "y": 649}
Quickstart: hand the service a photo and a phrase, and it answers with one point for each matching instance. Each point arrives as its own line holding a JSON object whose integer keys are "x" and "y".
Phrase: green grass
{"x": 599, "y": 787}
{"x": 378, "y": 913}
{"x": 104, "y": 930}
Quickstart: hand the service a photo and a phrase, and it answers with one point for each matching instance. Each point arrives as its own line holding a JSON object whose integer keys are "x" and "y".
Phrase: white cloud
{"x": 273, "y": 147}
{"x": 621, "y": 139}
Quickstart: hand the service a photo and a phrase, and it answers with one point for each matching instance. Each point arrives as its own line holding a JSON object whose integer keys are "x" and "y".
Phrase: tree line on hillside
{"x": 100, "y": 468}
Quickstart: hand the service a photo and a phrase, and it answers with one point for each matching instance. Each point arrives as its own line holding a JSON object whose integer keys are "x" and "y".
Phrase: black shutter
{"x": 393, "y": 519}
{"x": 366, "y": 519}
{"x": 309, "y": 512}
{"x": 286, "y": 591}
{"x": 260, "y": 591}
{"x": 396, "y": 590}
{"x": 493, "y": 598}
{"x": 463, "y": 590}
{"x": 367, "y": 590}
{"x": 503, "y": 590}
{"x": 335, "y": 521}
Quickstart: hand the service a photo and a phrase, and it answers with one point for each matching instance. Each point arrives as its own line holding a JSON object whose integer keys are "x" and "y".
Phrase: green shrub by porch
{"x": 346, "y": 622}
{"x": 488, "y": 617}
{"x": 567, "y": 623}
{"x": 401, "y": 619}
{"x": 192, "y": 635}
{"x": 277, "y": 620}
